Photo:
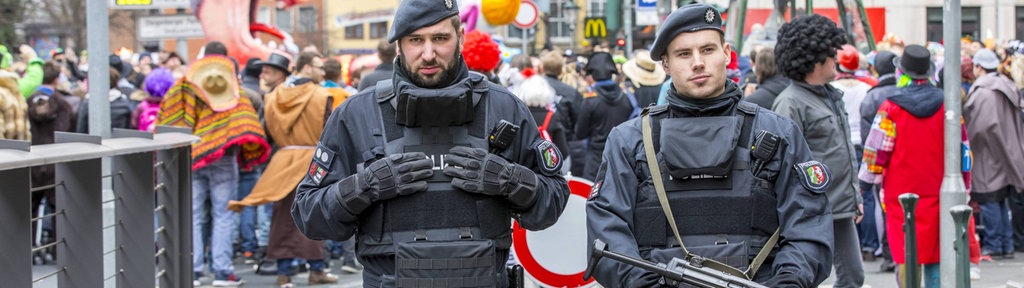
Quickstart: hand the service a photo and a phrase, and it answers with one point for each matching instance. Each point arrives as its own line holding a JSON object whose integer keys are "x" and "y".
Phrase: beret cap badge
{"x": 709, "y": 16}
{"x": 448, "y": 4}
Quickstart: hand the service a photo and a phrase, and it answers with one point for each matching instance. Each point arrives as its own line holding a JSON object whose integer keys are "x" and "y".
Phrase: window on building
{"x": 595, "y": 8}
{"x": 263, "y": 15}
{"x": 1020, "y": 22}
{"x": 561, "y": 24}
{"x": 378, "y": 30}
{"x": 354, "y": 31}
{"x": 283, "y": 19}
{"x": 970, "y": 23}
{"x": 516, "y": 35}
{"x": 308, "y": 19}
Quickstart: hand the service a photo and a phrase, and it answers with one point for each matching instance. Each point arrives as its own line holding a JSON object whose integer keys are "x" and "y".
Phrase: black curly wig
{"x": 804, "y": 42}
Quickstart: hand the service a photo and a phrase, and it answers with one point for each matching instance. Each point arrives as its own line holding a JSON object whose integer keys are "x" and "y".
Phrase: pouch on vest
{"x": 685, "y": 145}
{"x": 460, "y": 263}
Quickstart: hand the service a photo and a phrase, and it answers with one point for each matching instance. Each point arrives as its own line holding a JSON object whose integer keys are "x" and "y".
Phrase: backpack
{"x": 148, "y": 113}
{"x": 543, "y": 128}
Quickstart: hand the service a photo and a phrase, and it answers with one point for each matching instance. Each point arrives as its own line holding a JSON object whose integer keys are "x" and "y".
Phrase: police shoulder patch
{"x": 814, "y": 175}
{"x": 595, "y": 190}
{"x": 321, "y": 164}
{"x": 549, "y": 158}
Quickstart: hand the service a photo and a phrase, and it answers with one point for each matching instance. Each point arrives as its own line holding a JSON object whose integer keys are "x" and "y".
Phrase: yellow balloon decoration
{"x": 499, "y": 12}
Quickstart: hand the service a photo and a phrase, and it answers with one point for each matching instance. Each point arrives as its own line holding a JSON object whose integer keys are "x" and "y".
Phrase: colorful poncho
{"x": 217, "y": 131}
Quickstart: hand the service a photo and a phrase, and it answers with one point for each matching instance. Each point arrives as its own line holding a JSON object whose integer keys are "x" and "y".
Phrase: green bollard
{"x": 961, "y": 216}
{"x": 912, "y": 277}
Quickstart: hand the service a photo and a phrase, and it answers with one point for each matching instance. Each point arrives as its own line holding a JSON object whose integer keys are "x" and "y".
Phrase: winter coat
{"x": 603, "y": 109}
{"x": 13, "y": 109}
{"x": 32, "y": 79}
{"x": 996, "y": 130}
{"x": 904, "y": 153}
{"x": 767, "y": 91}
{"x": 568, "y": 106}
{"x": 854, "y": 92}
{"x": 48, "y": 112}
{"x": 384, "y": 71}
{"x": 818, "y": 112}
{"x": 869, "y": 106}
{"x": 120, "y": 112}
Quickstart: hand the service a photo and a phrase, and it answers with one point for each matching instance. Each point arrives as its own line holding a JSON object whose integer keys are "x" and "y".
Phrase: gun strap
{"x": 659, "y": 187}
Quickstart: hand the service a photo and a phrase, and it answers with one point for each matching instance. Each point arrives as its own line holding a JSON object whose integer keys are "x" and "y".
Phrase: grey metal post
{"x": 133, "y": 194}
{"x": 911, "y": 268}
{"x": 628, "y": 25}
{"x": 97, "y": 25}
{"x": 81, "y": 220}
{"x": 175, "y": 196}
{"x": 961, "y": 215}
{"x": 15, "y": 221}
{"x": 953, "y": 191}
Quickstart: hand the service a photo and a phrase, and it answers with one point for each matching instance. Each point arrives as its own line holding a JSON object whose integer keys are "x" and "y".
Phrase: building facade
{"x": 357, "y": 26}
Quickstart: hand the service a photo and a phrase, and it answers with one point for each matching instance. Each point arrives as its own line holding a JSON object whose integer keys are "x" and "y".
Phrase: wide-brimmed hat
{"x": 214, "y": 75}
{"x": 277, "y": 61}
{"x": 916, "y": 62}
{"x": 643, "y": 70}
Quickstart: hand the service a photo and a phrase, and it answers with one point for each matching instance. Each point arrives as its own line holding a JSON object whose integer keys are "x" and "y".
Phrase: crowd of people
{"x": 872, "y": 123}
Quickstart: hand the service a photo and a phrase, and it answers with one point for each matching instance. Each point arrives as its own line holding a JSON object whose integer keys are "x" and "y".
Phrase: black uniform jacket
{"x": 805, "y": 242}
{"x": 353, "y": 136}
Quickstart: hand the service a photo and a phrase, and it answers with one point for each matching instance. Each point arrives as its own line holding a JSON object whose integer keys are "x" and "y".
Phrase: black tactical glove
{"x": 784, "y": 280}
{"x": 385, "y": 178}
{"x": 477, "y": 171}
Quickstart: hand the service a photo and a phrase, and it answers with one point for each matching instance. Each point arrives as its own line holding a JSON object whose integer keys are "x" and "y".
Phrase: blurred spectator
{"x": 769, "y": 81}
{"x": 386, "y": 52}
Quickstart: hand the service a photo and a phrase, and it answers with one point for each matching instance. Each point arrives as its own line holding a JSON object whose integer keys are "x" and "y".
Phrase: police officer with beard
{"x": 733, "y": 178}
{"x": 428, "y": 168}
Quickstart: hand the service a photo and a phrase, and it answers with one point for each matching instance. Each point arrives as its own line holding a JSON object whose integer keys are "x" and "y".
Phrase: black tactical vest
{"x": 441, "y": 237}
{"x": 727, "y": 218}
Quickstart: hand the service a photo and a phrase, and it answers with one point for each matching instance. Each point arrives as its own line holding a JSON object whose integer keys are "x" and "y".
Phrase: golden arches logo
{"x": 594, "y": 27}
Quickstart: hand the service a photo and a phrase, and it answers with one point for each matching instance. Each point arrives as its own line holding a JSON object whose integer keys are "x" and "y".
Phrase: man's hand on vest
{"x": 385, "y": 178}
{"x": 475, "y": 170}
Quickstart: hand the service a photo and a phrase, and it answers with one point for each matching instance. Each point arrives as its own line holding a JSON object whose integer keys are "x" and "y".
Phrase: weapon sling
{"x": 659, "y": 186}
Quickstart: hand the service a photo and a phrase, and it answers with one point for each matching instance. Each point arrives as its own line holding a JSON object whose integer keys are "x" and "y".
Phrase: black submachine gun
{"x": 677, "y": 273}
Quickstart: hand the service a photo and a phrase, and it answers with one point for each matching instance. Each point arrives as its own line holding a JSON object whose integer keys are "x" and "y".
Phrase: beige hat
{"x": 643, "y": 70}
{"x": 214, "y": 75}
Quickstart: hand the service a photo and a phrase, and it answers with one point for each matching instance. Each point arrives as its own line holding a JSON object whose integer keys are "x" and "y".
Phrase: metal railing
{"x": 147, "y": 170}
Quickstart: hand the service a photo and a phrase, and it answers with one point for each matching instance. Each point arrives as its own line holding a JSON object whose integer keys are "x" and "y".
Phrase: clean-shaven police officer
{"x": 735, "y": 177}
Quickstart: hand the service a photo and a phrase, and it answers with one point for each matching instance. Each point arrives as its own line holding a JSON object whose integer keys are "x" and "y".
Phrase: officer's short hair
{"x": 305, "y": 58}
{"x": 51, "y": 71}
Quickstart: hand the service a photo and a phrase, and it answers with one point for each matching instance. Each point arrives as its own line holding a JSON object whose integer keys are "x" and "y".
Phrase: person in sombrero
{"x": 230, "y": 135}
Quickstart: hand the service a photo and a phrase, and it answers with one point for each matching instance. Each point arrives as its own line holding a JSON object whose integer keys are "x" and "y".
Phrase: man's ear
{"x": 664, "y": 64}
{"x": 728, "y": 53}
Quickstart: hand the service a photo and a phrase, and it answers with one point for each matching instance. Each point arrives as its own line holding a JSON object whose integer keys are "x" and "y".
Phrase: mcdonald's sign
{"x": 594, "y": 27}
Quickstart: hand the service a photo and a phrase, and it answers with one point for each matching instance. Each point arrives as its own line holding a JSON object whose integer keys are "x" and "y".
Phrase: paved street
{"x": 999, "y": 273}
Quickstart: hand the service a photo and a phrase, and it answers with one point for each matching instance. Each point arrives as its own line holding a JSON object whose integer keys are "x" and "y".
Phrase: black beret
{"x": 689, "y": 18}
{"x": 416, "y": 14}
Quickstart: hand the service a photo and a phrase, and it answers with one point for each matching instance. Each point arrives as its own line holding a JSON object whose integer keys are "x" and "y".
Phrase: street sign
{"x": 647, "y": 17}
{"x": 527, "y": 16}
{"x": 594, "y": 27}
{"x": 646, "y": 3}
{"x": 169, "y": 27}
{"x": 557, "y": 256}
{"x": 148, "y": 4}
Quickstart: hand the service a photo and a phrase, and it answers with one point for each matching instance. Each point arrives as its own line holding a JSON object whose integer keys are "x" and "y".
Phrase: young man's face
{"x": 697, "y": 61}
{"x": 431, "y": 53}
{"x": 315, "y": 70}
{"x": 271, "y": 76}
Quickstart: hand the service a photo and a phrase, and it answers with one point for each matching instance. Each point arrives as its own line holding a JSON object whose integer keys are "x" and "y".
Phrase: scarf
{"x": 218, "y": 132}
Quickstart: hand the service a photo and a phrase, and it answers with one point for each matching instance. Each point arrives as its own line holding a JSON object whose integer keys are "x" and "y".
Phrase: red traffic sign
{"x": 528, "y": 14}
{"x": 557, "y": 256}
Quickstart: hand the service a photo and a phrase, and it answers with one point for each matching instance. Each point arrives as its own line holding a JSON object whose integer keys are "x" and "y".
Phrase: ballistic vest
{"x": 727, "y": 218}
